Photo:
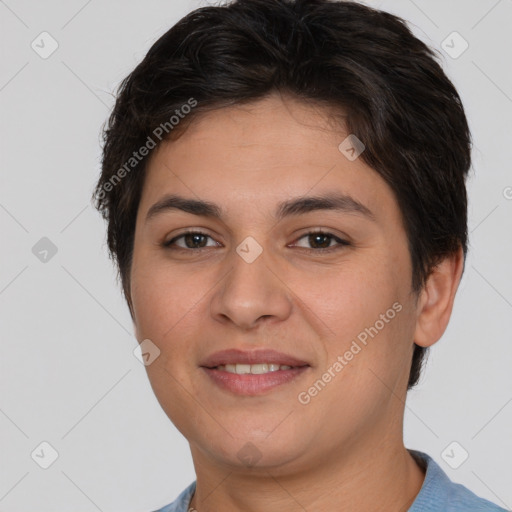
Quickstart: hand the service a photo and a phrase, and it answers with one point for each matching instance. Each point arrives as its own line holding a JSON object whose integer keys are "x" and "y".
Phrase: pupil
{"x": 313, "y": 238}
{"x": 194, "y": 238}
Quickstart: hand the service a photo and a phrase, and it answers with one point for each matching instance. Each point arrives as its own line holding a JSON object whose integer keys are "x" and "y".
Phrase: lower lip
{"x": 251, "y": 384}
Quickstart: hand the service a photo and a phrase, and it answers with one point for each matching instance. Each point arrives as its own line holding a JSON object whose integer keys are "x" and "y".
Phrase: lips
{"x": 257, "y": 356}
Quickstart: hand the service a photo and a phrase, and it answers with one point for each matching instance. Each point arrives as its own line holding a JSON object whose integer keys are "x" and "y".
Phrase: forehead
{"x": 251, "y": 157}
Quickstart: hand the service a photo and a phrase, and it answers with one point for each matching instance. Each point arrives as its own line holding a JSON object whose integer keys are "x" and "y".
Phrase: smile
{"x": 255, "y": 369}
{"x": 253, "y": 379}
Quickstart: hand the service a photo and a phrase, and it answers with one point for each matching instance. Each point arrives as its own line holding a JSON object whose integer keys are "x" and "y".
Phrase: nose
{"x": 251, "y": 293}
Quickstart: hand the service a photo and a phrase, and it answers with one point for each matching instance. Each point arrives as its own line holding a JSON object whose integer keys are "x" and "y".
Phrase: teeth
{"x": 254, "y": 369}
{"x": 258, "y": 368}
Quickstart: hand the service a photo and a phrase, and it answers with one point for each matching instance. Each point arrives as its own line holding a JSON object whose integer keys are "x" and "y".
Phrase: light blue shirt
{"x": 438, "y": 494}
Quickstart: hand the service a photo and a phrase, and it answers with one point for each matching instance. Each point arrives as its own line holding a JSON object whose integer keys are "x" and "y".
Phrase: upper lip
{"x": 232, "y": 356}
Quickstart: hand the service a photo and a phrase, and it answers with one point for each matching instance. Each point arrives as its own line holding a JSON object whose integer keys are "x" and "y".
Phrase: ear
{"x": 436, "y": 299}
{"x": 127, "y": 293}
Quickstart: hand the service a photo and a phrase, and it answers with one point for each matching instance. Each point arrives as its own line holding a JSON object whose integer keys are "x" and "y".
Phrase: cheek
{"x": 159, "y": 302}
{"x": 365, "y": 318}
{"x": 165, "y": 313}
{"x": 348, "y": 298}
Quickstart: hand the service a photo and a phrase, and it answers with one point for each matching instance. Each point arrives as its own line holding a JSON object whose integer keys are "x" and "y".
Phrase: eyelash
{"x": 341, "y": 242}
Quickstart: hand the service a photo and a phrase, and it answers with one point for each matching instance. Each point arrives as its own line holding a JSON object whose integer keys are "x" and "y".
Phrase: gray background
{"x": 68, "y": 373}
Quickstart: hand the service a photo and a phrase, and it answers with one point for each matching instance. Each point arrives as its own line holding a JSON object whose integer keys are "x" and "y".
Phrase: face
{"x": 328, "y": 284}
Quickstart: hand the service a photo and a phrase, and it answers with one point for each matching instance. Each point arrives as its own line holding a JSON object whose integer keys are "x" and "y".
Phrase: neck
{"x": 380, "y": 476}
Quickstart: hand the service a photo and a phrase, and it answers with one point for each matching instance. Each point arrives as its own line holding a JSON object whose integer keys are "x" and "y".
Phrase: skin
{"x": 343, "y": 450}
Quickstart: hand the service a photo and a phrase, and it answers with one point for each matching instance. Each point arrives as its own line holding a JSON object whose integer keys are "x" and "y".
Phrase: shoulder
{"x": 182, "y": 502}
{"x": 440, "y": 494}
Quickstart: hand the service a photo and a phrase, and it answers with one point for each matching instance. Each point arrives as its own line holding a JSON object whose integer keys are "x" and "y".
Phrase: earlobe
{"x": 436, "y": 299}
{"x": 132, "y": 315}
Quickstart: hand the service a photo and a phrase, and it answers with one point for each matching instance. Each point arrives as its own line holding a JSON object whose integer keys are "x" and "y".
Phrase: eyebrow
{"x": 298, "y": 206}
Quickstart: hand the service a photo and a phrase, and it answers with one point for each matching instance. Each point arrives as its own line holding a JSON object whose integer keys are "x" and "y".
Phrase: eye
{"x": 321, "y": 241}
{"x": 192, "y": 240}
{"x": 196, "y": 240}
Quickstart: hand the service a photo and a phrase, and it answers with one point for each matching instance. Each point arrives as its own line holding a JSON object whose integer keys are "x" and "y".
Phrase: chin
{"x": 253, "y": 449}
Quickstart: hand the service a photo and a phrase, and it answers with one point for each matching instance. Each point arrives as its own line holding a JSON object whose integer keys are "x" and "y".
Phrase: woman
{"x": 284, "y": 183}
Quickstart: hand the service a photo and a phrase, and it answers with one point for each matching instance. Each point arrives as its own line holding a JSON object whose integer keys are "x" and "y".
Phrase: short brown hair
{"x": 399, "y": 102}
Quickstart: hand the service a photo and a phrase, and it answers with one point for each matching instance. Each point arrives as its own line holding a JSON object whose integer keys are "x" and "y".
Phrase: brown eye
{"x": 191, "y": 239}
{"x": 321, "y": 241}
